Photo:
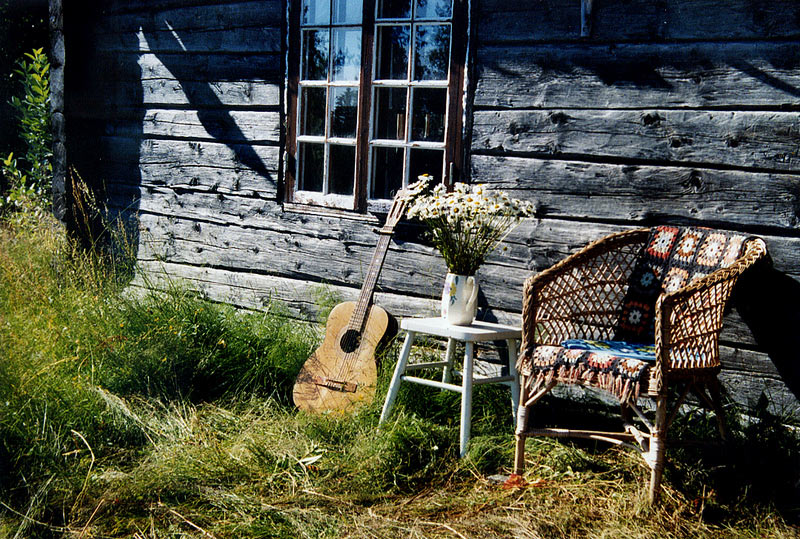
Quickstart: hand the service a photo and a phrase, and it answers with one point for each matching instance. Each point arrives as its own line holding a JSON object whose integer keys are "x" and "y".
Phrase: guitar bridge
{"x": 336, "y": 385}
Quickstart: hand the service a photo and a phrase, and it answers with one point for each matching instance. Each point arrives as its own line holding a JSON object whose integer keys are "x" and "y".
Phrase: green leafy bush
{"x": 30, "y": 178}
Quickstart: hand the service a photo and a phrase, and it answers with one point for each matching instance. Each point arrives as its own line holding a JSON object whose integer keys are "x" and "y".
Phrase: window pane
{"x": 312, "y": 119}
{"x": 390, "y": 113}
{"x": 429, "y": 113}
{"x": 344, "y": 111}
{"x": 342, "y": 169}
{"x": 393, "y": 42}
{"x": 387, "y": 176}
{"x": 432, "y": 52}
{"x": 394, "y": 9}
{"x": 346, "y": 54}
{"x": 346, "y": 11}
{"x": 425, "y": 162}
{"x": 315, "y": 54}
{"x": 433, "y": 9}
{"x": 316, "y": 12}
{"x": 312, "y": 166}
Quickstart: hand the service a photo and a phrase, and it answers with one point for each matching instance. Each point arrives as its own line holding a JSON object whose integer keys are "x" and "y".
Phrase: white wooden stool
{"x": 469, "y": 335}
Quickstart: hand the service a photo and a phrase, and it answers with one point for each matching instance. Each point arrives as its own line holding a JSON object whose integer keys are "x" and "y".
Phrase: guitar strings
{"x": 352, "y": 334}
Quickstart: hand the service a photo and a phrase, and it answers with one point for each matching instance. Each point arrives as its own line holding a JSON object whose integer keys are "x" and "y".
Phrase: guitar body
{"x": 342, "y": 373}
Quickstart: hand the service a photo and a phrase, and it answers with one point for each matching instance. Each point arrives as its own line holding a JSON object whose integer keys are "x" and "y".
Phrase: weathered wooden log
{"x": 133, "y": 67}
{"x": 165, "y": 40}
{"x": 225, "y": 177}
{"x": 255, "y": 127}
{"x": 746, "y": 139}
{"x": 171, "y": 93}
{"x": 500, "y": 21}
{"x": 639, "y": 76}
{"x": 646, "y": 194}
{"x": 136, "y": 151}
{"x": 185, "y": 16}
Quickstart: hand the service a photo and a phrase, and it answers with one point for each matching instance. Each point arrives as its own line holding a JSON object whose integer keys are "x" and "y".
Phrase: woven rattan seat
{"x": 665, "y": 286}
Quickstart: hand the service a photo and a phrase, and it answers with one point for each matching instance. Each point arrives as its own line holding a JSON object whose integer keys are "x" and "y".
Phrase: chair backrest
{"x": 672, "y": 258}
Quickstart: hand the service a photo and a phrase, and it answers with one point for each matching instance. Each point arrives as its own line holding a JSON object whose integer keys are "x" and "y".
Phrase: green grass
{"x": 165, "y": 415}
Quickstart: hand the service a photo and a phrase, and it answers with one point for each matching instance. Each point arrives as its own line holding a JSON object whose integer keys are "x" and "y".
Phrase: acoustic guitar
{"x": 342, "y": 373}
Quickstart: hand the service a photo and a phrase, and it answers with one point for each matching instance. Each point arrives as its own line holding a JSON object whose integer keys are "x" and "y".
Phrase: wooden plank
{"x": 134, "y": 67}
{"x": 732, "y": 19}
{"x": 265, "y": 39}
{"x": 553, "y": 20}
{"x": 300, "y": 255}
{"x": 747, "y": 390}
{"x": 217, "y": 16}
{"x": 500, "y": 21}
{"x": 769, "y": 140}
{"x": 551, "y": 240}
{"x": 170, "y": 93}
{"x": 646, "y": 194}
{"x": 256, "y": 291}
{"x": 168, "y": 80}
{"x": 201, "y": 81}
{"x": 636, "y": 76}
{"x": 225, "y": 178}
{"x": 212, "y": 125}
{"x": 134, "y": 152}
{"x": 58, "y": 125}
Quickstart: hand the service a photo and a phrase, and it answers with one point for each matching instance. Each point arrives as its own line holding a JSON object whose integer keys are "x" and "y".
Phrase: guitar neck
{"x": 371, "y": 280}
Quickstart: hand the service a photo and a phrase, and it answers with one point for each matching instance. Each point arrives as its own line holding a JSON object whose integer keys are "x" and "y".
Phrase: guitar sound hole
{"x": 351, "y": 340}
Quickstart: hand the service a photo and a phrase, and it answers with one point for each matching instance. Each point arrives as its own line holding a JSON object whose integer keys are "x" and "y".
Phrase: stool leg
{"x": 512, "y": 370}
{"x": 399, "y": 370}
{"x": 447, "y": 375}
{"x": 466, "y": 398}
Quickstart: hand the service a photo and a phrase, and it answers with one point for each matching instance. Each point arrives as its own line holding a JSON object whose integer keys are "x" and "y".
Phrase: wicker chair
{"x": 664, "y": 287}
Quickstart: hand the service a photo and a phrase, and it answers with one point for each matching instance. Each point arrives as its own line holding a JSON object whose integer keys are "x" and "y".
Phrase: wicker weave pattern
{"x": 581, "y": 296}
{"x": 691, "y": 318}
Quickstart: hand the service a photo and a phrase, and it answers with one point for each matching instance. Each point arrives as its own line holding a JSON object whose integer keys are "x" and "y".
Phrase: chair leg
{"x": 522, "y": 421}
{"x": 625, "y": 413}
{"x": 714, "y": 389}
{"x": 655, "y": 456}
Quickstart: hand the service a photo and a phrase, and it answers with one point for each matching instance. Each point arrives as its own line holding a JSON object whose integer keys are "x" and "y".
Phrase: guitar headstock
{"x": 398, "y": 209}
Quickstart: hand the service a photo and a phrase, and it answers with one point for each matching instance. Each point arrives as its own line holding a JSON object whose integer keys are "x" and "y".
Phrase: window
{"x": 375, "y": 91}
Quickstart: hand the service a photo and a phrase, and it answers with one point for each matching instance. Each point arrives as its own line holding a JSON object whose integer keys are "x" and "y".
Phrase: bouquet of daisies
{"x": 467, "y": 223}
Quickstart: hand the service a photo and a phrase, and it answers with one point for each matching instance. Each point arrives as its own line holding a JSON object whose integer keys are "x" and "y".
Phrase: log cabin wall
{"x": 671, "y": 111}
{"x": 667, "y": 111}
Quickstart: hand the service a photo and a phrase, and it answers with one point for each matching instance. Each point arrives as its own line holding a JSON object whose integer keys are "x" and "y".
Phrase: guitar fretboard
{"x": 371, "y": 279}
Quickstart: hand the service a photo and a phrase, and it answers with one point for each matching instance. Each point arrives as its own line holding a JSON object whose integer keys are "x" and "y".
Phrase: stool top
{"x": 475, "y": 332}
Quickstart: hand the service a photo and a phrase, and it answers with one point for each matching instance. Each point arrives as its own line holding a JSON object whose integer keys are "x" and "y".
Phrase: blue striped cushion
{"x": 644, "y": 352}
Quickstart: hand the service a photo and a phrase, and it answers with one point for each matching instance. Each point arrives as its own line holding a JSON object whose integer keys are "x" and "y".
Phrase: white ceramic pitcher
{"x": 460, "y": 299}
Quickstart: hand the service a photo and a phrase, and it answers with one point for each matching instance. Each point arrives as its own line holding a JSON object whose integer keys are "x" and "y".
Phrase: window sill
{"x": 324, "y": 211}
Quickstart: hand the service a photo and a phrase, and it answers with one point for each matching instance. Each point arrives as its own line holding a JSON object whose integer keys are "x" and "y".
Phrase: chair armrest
{"x": 580, "y": 296}
{"x": 689, "y": 320}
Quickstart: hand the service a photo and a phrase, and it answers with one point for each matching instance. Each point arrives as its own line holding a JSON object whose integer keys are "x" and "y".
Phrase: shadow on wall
{"x": 109, "y": 94}
{"x": 196, "y": 76}
{"x": 98, "y": 85}
{"x": 769, "y": 303}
